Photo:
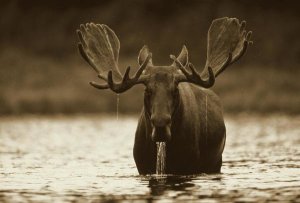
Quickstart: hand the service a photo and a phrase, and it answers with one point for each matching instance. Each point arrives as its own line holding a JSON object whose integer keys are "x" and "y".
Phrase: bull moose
{"x": 179, "y": 108}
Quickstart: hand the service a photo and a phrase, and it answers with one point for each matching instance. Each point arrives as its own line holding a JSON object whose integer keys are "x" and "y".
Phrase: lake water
{"x": 89, "y": 158}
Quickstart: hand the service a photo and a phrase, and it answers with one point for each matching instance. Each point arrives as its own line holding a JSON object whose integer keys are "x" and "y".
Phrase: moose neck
{"x": 183, "y": 131}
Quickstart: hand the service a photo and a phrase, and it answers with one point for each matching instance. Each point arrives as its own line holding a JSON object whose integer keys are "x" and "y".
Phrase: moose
{"x": 179, "y": 108}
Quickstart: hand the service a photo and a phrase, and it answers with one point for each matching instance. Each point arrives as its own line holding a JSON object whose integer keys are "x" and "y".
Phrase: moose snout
{"x": 160, "y": 120}
{"x": 161, "y": 131}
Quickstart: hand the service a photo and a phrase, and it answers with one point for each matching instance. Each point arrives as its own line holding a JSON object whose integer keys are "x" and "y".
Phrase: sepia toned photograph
{"x": 149, "y": 101}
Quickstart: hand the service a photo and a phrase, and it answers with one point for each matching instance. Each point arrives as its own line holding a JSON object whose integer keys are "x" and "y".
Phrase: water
{"x": 161, "y": 158}
{"x": 118, "y": 104}
{"x": 88, "y": 158}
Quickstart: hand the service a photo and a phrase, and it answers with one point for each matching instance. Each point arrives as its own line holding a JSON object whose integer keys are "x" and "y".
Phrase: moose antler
{"x": 100, "y": 46}
{"x": 227, "y": 42}
{"x": 193, "y": 77}
{"x": 127, "y": 82}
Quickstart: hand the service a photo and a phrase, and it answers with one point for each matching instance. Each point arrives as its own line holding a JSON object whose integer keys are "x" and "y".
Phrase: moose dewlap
{"x": 180, "y": 111}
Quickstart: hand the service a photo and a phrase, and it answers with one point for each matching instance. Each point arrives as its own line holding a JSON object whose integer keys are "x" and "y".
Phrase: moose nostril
{"x": 161, "y": 120}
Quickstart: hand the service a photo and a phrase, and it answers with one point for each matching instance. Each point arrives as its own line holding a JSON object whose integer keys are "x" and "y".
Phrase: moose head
{"x": 164, "y": 94}
{"x": 99, "y": 46}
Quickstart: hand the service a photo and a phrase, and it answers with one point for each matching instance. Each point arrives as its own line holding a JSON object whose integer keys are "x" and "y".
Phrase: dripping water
{"x": 161, "y": 158}
{"x": 206, "y": 131}
{"x": 118, "y": 101}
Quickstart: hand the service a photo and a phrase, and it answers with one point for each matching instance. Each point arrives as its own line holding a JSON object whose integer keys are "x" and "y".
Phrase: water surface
{"x": 89, "y": 158}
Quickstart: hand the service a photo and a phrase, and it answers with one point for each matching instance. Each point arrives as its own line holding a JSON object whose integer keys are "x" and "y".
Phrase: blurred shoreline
{"x": 63, "y": 88}
{"x": 111, "y": 117}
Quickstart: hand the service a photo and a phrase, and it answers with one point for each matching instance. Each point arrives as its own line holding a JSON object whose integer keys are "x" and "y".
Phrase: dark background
{"x": 42, "y": 72}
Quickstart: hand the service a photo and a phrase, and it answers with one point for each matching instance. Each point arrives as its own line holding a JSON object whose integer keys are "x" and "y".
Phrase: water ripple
{"x": 89, "y": 158}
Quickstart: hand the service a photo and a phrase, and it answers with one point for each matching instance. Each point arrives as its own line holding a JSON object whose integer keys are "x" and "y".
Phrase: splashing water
{"x": 161, "y": 158}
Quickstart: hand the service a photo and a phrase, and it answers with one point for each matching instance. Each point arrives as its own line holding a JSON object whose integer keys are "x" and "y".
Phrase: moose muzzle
{"x": 161, "y": 128}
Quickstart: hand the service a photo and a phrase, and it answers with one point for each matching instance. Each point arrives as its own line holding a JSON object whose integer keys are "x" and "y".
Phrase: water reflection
{"x": 159, "y": 185}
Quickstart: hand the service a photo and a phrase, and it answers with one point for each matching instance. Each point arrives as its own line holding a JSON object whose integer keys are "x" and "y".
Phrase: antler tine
{"x": 102, "y": 77}
{"x": 127, "y": 82}
{"x": 225, "y": 65}
{"x": 126, "y": 75}
{"x": 195, "y": 77}
{"x": 245, "y": 46}
{"x": 99, "y": 86}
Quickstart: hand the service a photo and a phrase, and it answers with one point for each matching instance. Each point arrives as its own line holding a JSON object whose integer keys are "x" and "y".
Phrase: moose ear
{"x": 183, "y": 57}
{"x": 144, "y": 52}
